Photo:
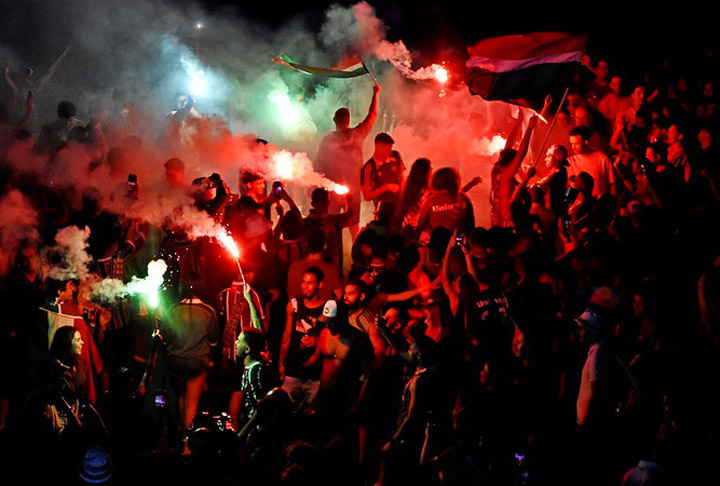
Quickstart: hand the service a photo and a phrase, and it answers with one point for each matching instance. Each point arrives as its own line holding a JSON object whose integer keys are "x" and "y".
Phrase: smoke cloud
{"x": 72, "y": 243}
{"x": 18, "y": 222}
{"x": 127, "y": 61}
{"x": 109, "y": 291}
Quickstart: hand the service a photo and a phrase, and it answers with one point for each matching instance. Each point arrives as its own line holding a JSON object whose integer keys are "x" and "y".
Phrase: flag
{"x": 56, "y": 320}
{"x": 90, "y": 360}
{"x": 523, "y": 69}
{"x": 348, "y": 68}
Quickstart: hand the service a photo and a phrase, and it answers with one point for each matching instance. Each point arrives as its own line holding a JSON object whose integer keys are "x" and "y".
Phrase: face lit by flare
{"x": 77, "y": 344}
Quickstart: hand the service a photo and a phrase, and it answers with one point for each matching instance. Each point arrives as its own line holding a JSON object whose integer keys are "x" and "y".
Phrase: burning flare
{"x": 197, "y": 81}
{"x": 150, "y": 285}
{"x": 339, "y": 189}
{"x": 440, "y": 73}
{"x": 228, "y": 242}
{"x": 285, "y": 165}
{"x": 297, "y": 167}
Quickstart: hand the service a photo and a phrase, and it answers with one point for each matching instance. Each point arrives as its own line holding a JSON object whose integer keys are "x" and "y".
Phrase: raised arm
{"x": 222, "y": 195}
{"x": 470, "y": 264}
{"x": 618, "y": 140}
{"x": 9, "y": 81}
{"x": 523, "y": 185}
{"x": 587, "y": 62}
{"x": 51, "y": 70}
{"x": 254, "y": 314}
{"x": 512, "y": 135}
{"x": 286, "y": 197}
{"x": 409, "y": 294}
{"x": 522, "y": 149}
{"x": 367, "y": 124}
{"x": 473, "y": 182}
{"x": 546, "y": 107}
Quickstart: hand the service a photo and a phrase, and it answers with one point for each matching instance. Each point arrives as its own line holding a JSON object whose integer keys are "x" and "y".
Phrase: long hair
{"x": 417, "y": 180}
{"x": 61, "y": 349}
{"x": 62, "y": 344}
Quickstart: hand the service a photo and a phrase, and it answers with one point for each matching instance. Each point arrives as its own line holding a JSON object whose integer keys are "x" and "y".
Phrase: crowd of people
{"x": 573, "y": 341}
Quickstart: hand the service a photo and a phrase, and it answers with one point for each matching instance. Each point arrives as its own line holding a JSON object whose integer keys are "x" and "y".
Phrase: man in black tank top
{"x": 300, "y": 339}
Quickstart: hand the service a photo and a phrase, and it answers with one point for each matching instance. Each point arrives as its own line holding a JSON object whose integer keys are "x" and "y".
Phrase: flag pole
{"x": 372, "y": 76}
{"x": 550, "y": 129}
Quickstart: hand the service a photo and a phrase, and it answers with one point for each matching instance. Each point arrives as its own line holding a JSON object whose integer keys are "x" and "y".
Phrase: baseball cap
{"x": 591, "y": 321}
{"x": 329, "y": 312}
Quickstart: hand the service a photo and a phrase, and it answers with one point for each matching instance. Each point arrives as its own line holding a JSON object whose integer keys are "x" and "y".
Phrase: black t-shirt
{"x": 557, "y": 185}
{"x": 391, "y": 172}
{"x": 491, "y": 329}
{"x": 303, "y": 340}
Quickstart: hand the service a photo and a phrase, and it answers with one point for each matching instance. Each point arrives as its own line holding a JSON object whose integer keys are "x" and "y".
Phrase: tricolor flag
{"x": 56, "y": 320}
{"x": 90, "y": 360}
{"x": 348, "y": 68}
{"x": 523, "y": 69}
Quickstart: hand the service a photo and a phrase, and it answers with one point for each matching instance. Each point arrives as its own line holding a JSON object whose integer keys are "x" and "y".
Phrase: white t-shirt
{"x": 598, "y": 165}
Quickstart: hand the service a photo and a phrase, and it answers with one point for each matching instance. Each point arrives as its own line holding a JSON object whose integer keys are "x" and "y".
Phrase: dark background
{"x": 633, "y": 37}
{"x": 626, "y": 32}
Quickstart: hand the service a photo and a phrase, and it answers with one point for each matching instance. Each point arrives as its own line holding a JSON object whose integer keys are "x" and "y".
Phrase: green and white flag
{"x": 349, "y": 68}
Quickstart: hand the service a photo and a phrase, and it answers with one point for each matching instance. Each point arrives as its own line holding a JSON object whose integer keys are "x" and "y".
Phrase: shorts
{"x": 303, "y": 392}
{"x": 186, "y": 367}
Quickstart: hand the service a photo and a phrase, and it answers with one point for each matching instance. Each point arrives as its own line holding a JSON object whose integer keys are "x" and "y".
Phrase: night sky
{"x": 624, "y": 32}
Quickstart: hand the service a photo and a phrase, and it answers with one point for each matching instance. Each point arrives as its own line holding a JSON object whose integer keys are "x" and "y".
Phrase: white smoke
{"x": 71, "y": 247}
{"x": 109, "y": 291}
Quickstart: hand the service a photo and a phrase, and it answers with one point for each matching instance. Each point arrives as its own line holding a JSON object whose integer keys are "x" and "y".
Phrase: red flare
{"x": 229, "y": 243}
{"x": 441, "y": 74}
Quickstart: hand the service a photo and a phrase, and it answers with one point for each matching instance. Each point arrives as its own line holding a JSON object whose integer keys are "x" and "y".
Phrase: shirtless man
{"x": 362, "y": 316}
{"x": 344, "y": 350}
{"x": 345, "y": 354}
